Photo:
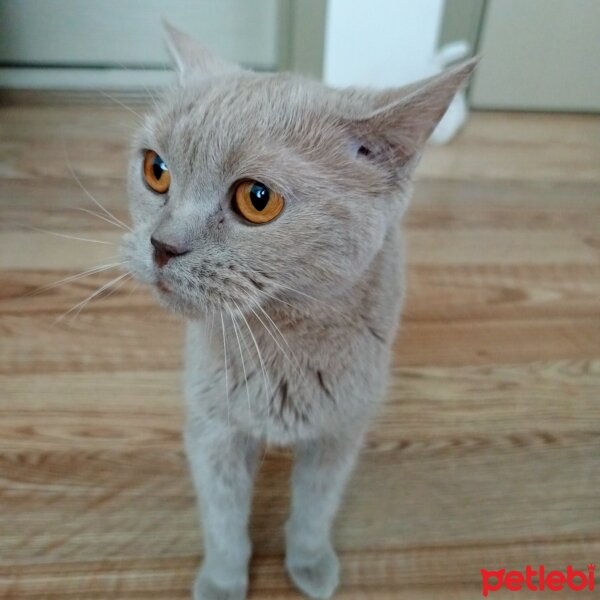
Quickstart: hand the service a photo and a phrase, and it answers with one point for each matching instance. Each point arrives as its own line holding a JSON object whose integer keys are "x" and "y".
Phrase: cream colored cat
{"x": 265, "y": 211}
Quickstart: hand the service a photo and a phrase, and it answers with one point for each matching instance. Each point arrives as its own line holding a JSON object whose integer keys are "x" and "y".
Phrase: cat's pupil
{"x": 158, "y": 167}
{"x": 259, "y": 196}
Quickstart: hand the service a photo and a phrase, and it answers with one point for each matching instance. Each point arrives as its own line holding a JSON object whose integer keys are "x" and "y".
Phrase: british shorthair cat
{"x": 265, "y": 211}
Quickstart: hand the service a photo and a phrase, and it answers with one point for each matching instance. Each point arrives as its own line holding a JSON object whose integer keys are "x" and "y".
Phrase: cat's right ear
{"x": 394, "y": 134}
{"x": 192, "y": 58}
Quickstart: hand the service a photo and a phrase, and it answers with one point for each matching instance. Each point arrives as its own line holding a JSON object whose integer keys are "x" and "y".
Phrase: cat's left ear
{"x": 192, "y": 58}
{"x": 394, "y": 133}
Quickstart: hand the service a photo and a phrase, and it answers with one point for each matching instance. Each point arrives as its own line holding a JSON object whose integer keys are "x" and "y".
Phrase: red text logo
{"x": 537, "y": 580}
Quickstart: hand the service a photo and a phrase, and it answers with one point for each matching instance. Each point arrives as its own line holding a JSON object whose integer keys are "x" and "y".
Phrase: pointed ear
{"x": 192, "y": 57}
{"x": 396, "y": 132}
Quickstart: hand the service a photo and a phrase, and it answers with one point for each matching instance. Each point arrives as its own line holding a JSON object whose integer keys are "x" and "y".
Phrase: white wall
{"x": 380, "y": 42}
{"x": 539, "y": 55}
{"x": 45, "y": 36}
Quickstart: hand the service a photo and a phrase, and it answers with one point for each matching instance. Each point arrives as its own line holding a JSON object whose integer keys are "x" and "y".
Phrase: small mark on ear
{"x": 359, "y": 149}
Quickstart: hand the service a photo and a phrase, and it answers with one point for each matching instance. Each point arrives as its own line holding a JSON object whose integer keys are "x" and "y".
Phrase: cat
{"x": 265, "y": 210}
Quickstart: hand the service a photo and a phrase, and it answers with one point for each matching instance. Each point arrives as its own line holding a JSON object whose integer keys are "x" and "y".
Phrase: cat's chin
{"x": 177, "y": 305}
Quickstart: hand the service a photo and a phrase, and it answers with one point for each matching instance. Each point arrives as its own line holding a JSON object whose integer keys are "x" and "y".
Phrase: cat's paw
{"x": 315, "y": 574}
{"x": 205, "y": 588}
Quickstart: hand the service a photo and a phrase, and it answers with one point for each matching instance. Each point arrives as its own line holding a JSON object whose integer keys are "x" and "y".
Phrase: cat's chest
{"x": 282, "y": 394}
{"x": 269, "y": 397}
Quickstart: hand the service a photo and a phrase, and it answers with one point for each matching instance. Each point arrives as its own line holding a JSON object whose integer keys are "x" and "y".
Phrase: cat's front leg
{"x": 223, "y": 463}
{"x": 320, "y": 473}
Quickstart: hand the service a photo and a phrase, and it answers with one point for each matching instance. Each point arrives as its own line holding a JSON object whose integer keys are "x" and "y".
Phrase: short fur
{"x": 289, "y": 324}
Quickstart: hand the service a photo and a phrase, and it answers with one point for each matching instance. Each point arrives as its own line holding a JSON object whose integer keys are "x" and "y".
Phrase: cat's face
{"x": 332, "y": 205}
{"x": 245, "y": 187}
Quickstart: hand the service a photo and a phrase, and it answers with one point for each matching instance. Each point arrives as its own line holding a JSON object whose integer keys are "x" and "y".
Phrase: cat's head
{"x": 246, "y": 187}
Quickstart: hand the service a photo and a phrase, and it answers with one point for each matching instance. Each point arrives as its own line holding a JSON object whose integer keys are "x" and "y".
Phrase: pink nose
{"x": 163, "y": 253}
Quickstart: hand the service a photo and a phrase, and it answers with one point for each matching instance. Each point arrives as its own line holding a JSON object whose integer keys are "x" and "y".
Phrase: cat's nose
{"x": 163, "y": 252}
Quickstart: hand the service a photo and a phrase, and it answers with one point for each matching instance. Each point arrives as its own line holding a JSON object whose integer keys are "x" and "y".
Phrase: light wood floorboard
{"x": 485, "y": 455}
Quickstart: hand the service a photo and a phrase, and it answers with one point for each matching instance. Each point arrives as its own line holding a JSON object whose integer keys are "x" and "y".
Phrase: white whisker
{"x": 209, "y": 328}
{"x": 71, "y": 237}
{"x": 264, "y": 312}
{"x": 287, "y": 287}
{"x": 323, "y": 303}
{"x": 91, "y": 297}
{"x": 99, "y": 216}
{"x": 278, "y": 299}
{"x": 262, "y": 363}
{"x": 148, "y": 90}
{"x": 75, "y": 277}
{"x": 116, "y": 287}
{"x": 282, "y": 286}
{"x": 262, "y": 460}
{"x": 291, "y": 289}
{"x": 271, "y": 334}
{"x": 120, "y": 103}
{"x": 241, "y": 354}
{"x": 133, "y": 289}
{"x": 152, "y": 96}
{"x": 87, "y": 192}
{"x": 226, "y": 373}
{"x": 113, "y": 289}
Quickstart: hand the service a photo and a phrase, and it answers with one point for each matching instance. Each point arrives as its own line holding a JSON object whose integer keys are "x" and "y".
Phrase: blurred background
{"x": 539, "y": 54}
{"x": 485, "y": 454}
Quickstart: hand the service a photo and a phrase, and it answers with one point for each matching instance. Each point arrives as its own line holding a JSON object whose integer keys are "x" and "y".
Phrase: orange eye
{"x": 256, "y": 202}
{"x": 156, "y": 172}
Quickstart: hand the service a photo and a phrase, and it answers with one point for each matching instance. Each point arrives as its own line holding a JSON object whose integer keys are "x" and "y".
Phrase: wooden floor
{"x": 487, "y": 454}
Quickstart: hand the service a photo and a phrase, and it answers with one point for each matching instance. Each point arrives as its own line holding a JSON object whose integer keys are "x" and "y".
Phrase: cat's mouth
{"x": 170, "y": 299}
{"x": 179, "y": 299}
